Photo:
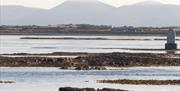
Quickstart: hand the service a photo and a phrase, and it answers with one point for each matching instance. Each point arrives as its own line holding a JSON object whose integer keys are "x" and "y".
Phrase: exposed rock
{"x": 64, "y": 67}
{"x": 90, "y": 68}
{"x": 7, "y": 82}
{"x": 95, "y": 61}
{"x": 145, "y": 82}
{"x": 131, "y": 59}
{"x": 87, "y": 89}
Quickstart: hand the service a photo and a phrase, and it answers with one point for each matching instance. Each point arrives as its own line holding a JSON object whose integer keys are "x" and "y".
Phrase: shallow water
{"x": 13, "y": 44}
{"x": 50, "y": 79}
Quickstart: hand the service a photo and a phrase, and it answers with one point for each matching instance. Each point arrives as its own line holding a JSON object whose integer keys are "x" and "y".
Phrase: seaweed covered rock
{"x": 76, "y": 89}
{"x": 88, "y": 89}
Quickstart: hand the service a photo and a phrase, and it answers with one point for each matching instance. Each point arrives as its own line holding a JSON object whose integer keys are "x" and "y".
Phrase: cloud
{"x": 118, "y": 3}
{"x": 47, "y": 4}
{"x": 170, "y": 1}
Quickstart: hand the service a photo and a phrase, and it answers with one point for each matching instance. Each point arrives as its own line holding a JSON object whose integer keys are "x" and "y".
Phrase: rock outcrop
{"x": 88, "y": 89}
{"x": 94, "y": 62}
{"x": 142, "y": 82}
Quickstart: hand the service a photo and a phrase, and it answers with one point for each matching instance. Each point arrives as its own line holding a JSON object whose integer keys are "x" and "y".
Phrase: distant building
{"x": 171, "y": 40}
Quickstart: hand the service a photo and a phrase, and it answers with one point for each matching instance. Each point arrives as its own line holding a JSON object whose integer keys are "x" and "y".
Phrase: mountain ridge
{"x": 95, "y": 13}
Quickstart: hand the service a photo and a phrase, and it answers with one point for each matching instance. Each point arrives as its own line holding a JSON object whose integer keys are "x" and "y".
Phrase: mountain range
{"x": 96, "y": 12}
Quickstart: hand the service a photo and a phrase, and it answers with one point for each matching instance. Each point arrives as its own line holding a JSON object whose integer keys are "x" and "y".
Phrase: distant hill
{"x": 14, "y": 13}
{"x": 95, "y": 12}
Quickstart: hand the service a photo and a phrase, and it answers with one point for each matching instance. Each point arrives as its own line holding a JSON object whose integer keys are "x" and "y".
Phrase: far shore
{"x": 91, "y": 33}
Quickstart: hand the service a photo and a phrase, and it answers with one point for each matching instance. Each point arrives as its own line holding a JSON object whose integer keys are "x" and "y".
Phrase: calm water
{"x": 50, "y": 79}
{"x": 13, "y": 44}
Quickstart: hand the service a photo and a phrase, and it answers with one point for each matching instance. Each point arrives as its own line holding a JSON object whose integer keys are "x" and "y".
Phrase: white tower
{"x": 171, "y": 38}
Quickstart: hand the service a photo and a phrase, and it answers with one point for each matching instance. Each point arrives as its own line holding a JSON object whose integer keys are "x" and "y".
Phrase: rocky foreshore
{"x": 88, "y": 89}
{"x": 93, "y": 60}
{"x": 139, "y": 82}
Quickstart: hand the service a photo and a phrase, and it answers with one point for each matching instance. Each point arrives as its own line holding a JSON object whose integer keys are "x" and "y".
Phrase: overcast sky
{"x": 47, "y": 4}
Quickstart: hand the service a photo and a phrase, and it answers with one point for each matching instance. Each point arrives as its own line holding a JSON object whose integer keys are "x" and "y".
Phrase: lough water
{"x": 13, "y": 44}
{"x": 50, "y": 79}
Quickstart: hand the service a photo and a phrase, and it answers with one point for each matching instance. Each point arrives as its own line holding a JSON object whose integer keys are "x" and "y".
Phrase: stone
{"x": 171, "y": 46}
{"x": 88, "y": 89}
{"x": 171, "y": 37}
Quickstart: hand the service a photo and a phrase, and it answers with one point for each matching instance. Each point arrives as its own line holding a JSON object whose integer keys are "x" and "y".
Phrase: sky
{"x": 48, "y": 4}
